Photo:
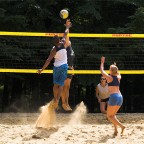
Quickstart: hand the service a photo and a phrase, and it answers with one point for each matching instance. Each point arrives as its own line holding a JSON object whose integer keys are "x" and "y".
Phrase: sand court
{"x": 70, "y": 128}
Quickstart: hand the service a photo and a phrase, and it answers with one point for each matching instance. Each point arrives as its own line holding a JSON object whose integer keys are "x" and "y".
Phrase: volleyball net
{"x": 26, "y": 52}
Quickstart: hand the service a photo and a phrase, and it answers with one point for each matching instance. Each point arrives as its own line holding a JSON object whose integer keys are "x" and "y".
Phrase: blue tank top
{"x": 115, "y": 81}
{"x": 70, "y": 55}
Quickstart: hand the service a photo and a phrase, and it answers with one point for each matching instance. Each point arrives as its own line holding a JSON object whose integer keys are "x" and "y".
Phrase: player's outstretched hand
{"x": 68, "y": 23}
{"x": 102, "y": 59}
{"x": 39, "y": 71}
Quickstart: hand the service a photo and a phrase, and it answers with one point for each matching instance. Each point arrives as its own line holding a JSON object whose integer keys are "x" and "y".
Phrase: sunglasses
{"x": 103, "y": 79}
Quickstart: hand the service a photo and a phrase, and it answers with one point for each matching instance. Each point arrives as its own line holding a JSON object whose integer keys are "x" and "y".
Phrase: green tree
{"x": 87, "y": 16}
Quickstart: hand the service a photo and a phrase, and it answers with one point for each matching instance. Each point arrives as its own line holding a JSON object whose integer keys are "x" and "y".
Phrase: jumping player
{"x": 60, "y": 68}
{"x": 67, "y": 83}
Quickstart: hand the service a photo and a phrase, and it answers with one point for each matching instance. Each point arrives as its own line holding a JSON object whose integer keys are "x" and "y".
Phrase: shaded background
{"x": 27, "y": 92}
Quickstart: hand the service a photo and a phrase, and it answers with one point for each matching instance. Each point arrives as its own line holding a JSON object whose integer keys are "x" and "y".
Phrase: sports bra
{"x": 115, "y": 81}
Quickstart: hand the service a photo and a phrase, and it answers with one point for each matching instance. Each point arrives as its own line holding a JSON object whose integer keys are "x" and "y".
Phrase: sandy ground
{"x": 70, "y": 128}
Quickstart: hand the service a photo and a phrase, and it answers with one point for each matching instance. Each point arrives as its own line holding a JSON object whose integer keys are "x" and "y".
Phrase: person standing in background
{"x": 102, "y": 94}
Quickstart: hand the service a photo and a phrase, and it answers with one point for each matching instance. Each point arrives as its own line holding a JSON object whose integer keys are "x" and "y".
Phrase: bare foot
{"x": 115, "y": 133}
{"x": 69, "y": 107}
{"x": 54, "y": 104}
{"x": 122, "y": 130}
{"x": 66, "y": 107}
{"x": 106, "y": 118}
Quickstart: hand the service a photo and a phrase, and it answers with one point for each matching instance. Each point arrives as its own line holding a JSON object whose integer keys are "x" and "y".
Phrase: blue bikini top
{"x": 115, "y": 81}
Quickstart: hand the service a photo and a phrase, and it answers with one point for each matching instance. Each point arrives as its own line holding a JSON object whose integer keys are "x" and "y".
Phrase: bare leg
{"x": 60, "y": 89}
{"x": 57, "y": 90}
{"x": 103, "y": 107}
{"x": 115, "y": 131}
{"x": 65, "y": 95}
{"x": 111, "y": 114}
{"x": 123, "y": 130}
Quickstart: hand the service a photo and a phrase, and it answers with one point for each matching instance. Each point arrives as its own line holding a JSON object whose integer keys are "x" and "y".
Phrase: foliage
{"x": 87, "y": 16}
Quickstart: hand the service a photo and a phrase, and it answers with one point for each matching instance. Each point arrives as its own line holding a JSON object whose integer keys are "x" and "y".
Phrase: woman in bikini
{"x": 116, "y": 99}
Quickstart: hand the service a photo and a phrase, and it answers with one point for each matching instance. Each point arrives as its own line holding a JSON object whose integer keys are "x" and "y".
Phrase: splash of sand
{"x": 77, "y": 116}
{"x": 47, "y": 118}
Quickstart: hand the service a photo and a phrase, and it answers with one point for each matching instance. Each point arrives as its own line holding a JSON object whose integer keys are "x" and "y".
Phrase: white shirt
{"x": 103, "y": 91}
{"x": 61, "y": 56}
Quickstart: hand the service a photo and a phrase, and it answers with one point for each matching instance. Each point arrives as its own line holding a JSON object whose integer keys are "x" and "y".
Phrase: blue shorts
{"x": 115, "y": 99}
{"x": 60, "y": 74}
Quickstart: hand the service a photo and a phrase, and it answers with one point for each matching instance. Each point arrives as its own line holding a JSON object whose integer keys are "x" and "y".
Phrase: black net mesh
{"x": 31, "y": 52}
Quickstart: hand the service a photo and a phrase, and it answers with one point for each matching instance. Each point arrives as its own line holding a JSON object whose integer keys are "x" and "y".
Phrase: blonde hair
{"x": 114, "y": 69}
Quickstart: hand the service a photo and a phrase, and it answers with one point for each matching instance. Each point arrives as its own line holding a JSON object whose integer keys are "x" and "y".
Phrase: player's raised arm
{"x": 109, "y": 78}
{"x": 65, "y": 38}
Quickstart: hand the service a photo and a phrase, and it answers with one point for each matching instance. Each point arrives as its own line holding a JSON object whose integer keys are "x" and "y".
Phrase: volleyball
{"x": 64, "y": 14}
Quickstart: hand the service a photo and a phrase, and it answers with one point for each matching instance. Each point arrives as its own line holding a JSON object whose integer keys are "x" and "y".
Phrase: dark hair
{"x": 56, "y": 39}
{"x": 104, "y": 78}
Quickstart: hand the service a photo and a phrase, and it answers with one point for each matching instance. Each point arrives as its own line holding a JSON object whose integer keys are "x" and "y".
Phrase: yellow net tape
{"x": 72, "y": 35}
{"x": 5, "y": 33}
{"x": 70, "y": 71}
